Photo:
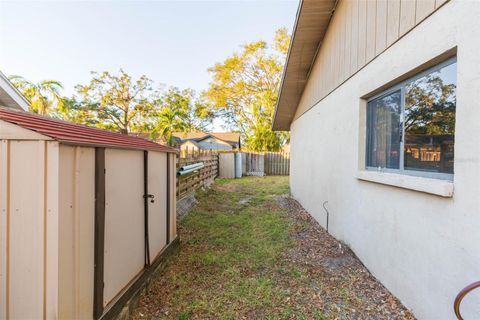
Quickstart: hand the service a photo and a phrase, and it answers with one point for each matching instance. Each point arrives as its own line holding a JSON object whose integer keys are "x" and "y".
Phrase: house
{"x": 10, "y": 97}
{"x": 382, "y": 101}
{"x": 86, "y": 215}
{"x": 194, "y": 141}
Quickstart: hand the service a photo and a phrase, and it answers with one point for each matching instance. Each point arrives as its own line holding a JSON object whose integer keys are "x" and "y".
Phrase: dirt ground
{"x": 249, "y": 251}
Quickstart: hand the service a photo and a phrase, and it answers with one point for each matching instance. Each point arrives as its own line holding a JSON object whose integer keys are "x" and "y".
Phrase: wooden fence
{"x": 189, "y": 183}
{"x": 277, "y": 163}
{"x": 253, "y": 163}
{"x": 266, "y": 163}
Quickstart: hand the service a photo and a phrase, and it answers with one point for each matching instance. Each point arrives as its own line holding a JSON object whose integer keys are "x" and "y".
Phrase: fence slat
{"x": 266, "y": 163}
{"x": 203, "y": 177}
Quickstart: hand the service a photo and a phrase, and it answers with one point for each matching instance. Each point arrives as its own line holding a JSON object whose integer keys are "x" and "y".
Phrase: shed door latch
{"x": 151, "y": 196}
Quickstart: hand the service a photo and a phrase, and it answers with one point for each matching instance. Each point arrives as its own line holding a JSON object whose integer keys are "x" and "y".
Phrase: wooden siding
{"x": 359, "y": 31}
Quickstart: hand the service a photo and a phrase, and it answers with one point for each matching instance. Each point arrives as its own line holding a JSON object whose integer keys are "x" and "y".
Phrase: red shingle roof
{"x": 72, "y": 133}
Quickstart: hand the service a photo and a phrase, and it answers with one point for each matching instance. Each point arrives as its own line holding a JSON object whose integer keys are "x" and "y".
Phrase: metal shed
{"x": 84, "y": 214}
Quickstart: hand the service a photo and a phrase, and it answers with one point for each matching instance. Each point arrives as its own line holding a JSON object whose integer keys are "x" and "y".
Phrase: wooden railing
{"x": 191, "y": 182}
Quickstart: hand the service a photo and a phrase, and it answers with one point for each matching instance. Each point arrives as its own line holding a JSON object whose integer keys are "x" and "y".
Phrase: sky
{"x": 171, "y": 42}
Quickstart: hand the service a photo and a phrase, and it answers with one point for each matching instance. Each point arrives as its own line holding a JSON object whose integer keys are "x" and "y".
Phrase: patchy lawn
{"x": 249, "y": 251}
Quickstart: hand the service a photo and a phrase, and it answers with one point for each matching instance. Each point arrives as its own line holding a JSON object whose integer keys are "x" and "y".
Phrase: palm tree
{"x": 168, "y": 121}
{"x": 42, "y": 95}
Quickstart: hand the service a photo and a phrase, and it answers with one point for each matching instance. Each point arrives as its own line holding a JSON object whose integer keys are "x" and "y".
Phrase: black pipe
{"x": 328, "y": 213}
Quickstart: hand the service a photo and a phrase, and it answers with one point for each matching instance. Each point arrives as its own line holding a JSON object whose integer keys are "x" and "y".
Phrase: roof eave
{"x": 10, "y": 96}
{"x": 301, "y": 56}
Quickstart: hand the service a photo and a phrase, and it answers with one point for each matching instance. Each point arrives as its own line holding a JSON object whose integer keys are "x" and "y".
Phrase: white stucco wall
{"x": 424, "y": 248}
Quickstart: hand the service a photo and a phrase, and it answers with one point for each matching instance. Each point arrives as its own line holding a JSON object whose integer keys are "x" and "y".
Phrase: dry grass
{"x": 249, "y": 252}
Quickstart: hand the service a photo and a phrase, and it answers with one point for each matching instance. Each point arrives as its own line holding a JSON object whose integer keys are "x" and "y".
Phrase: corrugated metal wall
{"x": 76, "y": 233}
{"x": 28, "y": 229}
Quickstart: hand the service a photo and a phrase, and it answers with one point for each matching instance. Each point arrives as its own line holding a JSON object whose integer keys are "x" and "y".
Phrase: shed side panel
{"x": 124, "y": 220}
{"x": 76, "y": 238}
{"x": 26, "y": 234}
{"x": 51, "y": 220}
{"x": 11, "y": 131}
{"x": 4, "y": 165}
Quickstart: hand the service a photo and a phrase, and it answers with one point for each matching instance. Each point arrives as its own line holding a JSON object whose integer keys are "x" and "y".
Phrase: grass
{"x": 243, "y": 256}
{"x": 230, "y": 256}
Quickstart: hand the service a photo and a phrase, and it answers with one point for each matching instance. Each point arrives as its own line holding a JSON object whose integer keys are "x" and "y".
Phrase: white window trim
{"x": 447, "y": 177}
{"x": 437, "y": 187}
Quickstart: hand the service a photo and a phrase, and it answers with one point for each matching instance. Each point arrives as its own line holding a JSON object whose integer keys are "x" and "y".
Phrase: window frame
{"x": 401, "y": 86}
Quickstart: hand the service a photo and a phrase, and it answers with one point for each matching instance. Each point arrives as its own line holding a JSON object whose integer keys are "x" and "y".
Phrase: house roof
{"x": 313, "y": 18}
{"x": 76, "y": 134}
{"x": 195, "y": 143}
{"x": 9, "y": 95}
{"x": 232, "y": 137}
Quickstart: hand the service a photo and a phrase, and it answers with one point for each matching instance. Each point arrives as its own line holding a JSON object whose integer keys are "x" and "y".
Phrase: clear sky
{"x": 171, "y": 42}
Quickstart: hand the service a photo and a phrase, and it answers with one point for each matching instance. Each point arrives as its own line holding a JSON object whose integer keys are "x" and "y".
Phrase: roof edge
{"x": 307, "y": 60}
{"x": 284, "y": 72}
{"x": 18, "y": 98}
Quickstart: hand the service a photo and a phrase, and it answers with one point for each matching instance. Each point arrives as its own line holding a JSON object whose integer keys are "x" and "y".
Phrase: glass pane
{"x": 430, "y": 121}
{"x": 384, "y": 133}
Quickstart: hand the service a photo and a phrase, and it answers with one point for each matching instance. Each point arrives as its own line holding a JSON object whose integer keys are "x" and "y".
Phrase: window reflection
{"x": 385, "y": 131}
{"x": 430, "y": 104}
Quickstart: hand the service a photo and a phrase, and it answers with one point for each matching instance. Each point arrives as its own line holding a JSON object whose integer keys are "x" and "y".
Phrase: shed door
{"x": 157, "y": 211}
{"x": 124, "y": 220}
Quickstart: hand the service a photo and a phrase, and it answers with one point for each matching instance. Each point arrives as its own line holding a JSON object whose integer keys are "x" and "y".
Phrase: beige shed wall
{"x": 423, "y": 248}
{"x": 76, "y": 232}
{"x": 28, "y": 229}
{"x": 359, "y": 31}
{"x": 124, "y": 220}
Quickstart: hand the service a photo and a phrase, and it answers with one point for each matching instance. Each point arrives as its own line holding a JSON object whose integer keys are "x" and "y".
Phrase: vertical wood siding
{"x": 359, "y": 31}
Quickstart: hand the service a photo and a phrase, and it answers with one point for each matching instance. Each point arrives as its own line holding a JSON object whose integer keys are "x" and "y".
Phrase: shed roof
{"x": 76, "y": 134}
{"x": 313, "y": 18}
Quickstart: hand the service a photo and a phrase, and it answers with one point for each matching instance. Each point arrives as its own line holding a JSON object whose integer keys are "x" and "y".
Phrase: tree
{"x": 117, "y": 102}
{"x": 430, "y": 106}
{"x": 245, "y": 88}
{"x": 179, "y": 111}
{"x": 44, "y": 96}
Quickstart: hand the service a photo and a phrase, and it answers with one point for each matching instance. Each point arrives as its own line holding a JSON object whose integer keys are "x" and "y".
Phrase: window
{"x": 411, "y": 126}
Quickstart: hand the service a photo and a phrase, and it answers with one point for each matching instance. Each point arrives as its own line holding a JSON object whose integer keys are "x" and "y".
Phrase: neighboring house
{"x": 194, "y": 141}
{"x": 10, "y": 97}
{"x": 382, "y": 101}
